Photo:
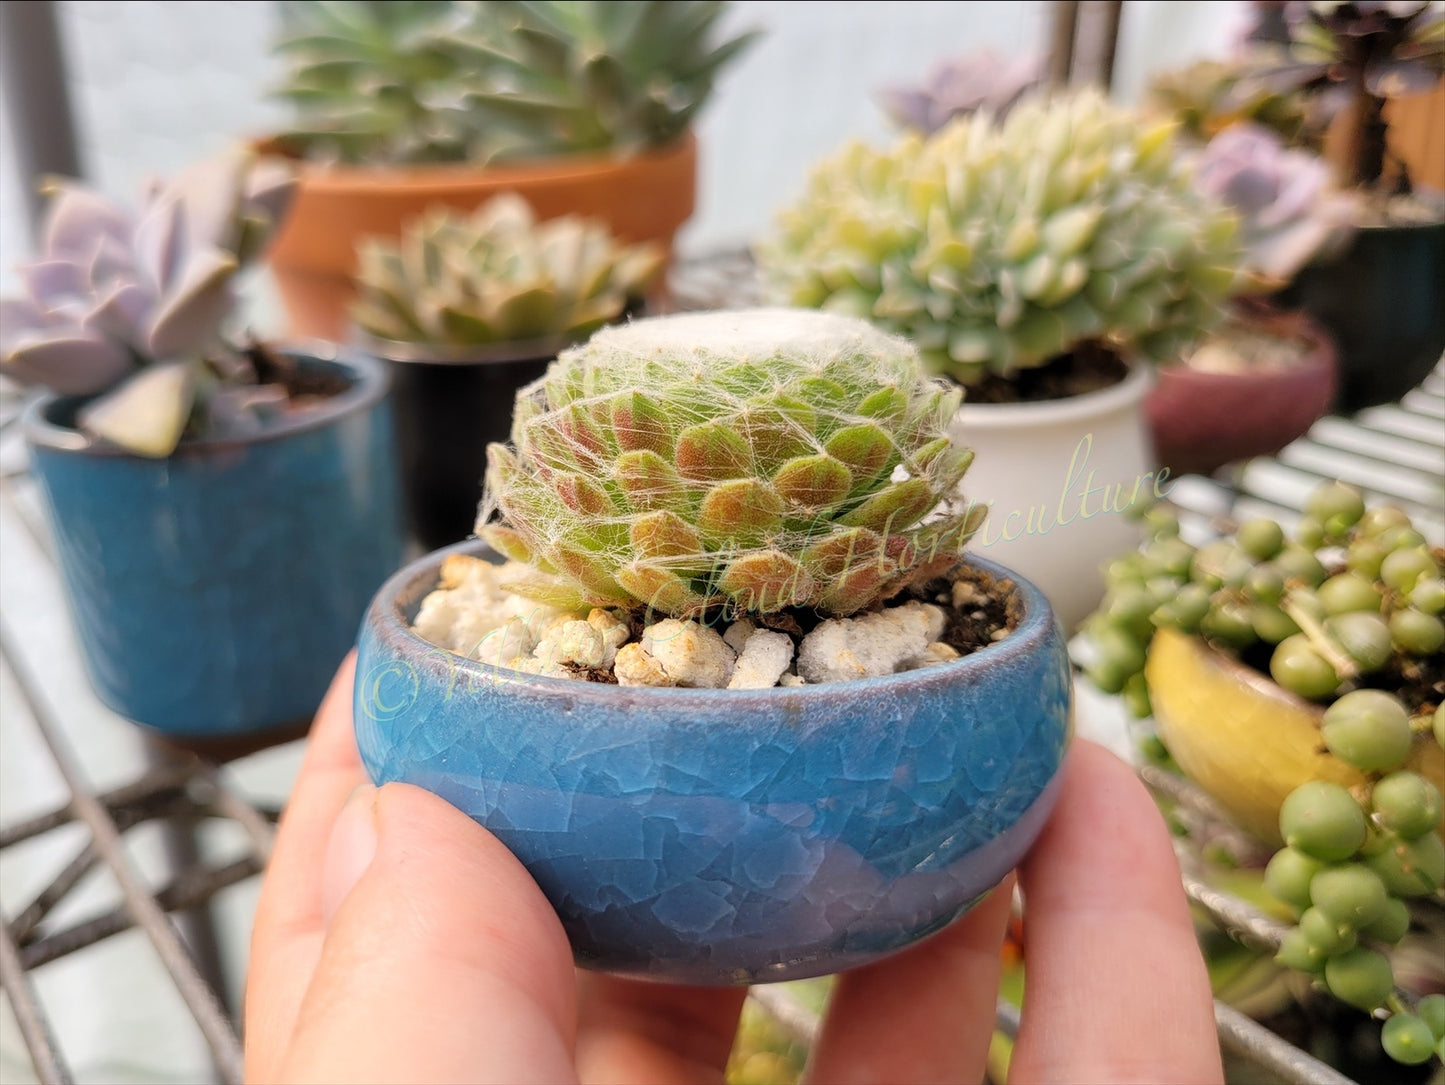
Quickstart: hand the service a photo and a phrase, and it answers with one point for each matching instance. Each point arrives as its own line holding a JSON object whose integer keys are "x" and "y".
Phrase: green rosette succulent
{"x": 423, "y": 81}
{"x": 998, "y": 246}
{"x": 1208, "y": 96}
{"x": 498, "y": 276}
{"x": 732, "y": 462}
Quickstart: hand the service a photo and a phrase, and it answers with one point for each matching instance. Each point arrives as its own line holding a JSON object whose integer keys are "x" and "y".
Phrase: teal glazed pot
{"x": 723, "y": 836}
{"x": 215, "y": 591}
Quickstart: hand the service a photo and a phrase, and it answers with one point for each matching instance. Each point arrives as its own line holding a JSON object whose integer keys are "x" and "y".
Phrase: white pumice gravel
{"x": 471, "y": 614}
{"x": 937, "y": 652}
{"x": 967, "y": 595}
{"x": 765, "y": 655}
{"x": 738, "y": 633}
{"x": 635, "y": 667}
{"x": 593, "y": 643}
{"x": 842, "y": 649}
{"x": 691, "y": 654}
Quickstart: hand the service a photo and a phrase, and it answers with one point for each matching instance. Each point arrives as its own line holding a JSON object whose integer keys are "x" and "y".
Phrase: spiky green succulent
{"x": 1001, "y": 246}
{"x": 498, "y": 276}
{"x": 1208, "y": 96}
{"x": 449, "y": 80}
{"x": 742, "y": 461}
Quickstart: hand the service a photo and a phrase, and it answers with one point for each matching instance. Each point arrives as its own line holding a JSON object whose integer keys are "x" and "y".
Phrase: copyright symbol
{"x": 388, "y": 690}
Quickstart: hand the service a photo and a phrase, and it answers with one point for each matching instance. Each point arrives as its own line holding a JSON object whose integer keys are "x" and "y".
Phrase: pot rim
{"x": 408, "y": 353}
{"x": 1243, "y": 673}
{"x": 371, "y": 384}
{"x": 387, "y": 620}
{"x": 1397, "y": 227}
{"x": 348, "y": 178}
{"x": 1321, "y": 353}
{"x": 1117, "y": 397}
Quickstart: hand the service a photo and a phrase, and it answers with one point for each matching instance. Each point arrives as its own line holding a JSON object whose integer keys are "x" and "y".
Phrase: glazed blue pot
{"x": 726, "y": 836}
{"x": 215, "y": 591}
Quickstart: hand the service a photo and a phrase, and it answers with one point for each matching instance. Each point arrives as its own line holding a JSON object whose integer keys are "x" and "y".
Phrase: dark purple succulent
{"x": 134, "y": 306}
{"x": 981, "y": 80}
{"x": 1355, "y": 56}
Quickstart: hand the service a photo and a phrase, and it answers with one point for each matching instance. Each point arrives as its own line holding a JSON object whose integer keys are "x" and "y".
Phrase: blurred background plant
{"x": 1348, "y": 60}
{"x": 1299, "y": 680}
{"x": 985, "y": 80}
{"x": 998, "y": 246}
{"x": 498, "y": 276}
{"x": 134, "y": 309}
{"x": 1208, "y": 96}
{"x": 1288, "y": 207}
{"x": 421, "y": 81}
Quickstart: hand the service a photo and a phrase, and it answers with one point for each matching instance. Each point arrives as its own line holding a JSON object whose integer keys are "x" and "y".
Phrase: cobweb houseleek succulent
{"x": 742, "y": 462}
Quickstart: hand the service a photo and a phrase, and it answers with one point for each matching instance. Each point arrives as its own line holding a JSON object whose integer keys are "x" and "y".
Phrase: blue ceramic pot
{"x": 731, "y": 837}
{"x": 215, "y": 591}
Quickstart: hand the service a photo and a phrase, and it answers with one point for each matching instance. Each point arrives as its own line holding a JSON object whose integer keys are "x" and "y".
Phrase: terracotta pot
{"x": 1417, "y": 134}
{"x": 1244, "y": 739}
{"x": 1202, "y": 420}
{"x": 646, "y": 197}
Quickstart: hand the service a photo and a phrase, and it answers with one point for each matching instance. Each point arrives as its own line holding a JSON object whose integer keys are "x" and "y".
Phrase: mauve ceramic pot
{"x": 1202, "y": 420}
{"x": 731, "y": 837}
{"x": 216, "y": 590}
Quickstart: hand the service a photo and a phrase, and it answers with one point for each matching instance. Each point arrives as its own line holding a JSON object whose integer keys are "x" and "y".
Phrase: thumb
{"x": 442, "y": 961}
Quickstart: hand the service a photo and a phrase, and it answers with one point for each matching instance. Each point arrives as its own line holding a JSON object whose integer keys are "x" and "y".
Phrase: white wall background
{"x": 161, "y": 82}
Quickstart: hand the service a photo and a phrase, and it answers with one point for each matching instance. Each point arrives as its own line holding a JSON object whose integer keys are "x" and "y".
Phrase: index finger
{"x": 1117, "y": 989}
{"x": 289, "y": 928}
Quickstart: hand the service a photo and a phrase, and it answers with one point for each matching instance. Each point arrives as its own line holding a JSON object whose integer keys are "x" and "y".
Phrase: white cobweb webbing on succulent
{"x": 752, "y": 460}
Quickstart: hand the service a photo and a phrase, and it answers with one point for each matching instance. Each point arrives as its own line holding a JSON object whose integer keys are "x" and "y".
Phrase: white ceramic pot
{"x": 1059, "y": 478}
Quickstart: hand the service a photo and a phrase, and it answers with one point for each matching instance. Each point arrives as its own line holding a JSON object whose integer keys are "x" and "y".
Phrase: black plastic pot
{"x": 1383, "y": 302}
{"x": 448, "y": 408}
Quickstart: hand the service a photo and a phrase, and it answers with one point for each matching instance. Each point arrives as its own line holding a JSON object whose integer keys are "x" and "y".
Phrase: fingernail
{"x": 350, "y": 851}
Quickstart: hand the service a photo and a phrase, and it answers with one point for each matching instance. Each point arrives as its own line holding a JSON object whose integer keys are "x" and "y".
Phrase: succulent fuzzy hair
{"x": 742, "y": 461}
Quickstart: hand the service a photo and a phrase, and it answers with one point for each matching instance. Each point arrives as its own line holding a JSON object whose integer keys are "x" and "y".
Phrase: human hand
{"x": 396, "y": 940}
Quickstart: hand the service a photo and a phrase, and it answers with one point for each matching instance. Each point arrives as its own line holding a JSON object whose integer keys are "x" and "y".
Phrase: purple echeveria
{"x": 113, "y": 293}
{"x": 981, "y": 80}
{"x": 1287, "y": 205}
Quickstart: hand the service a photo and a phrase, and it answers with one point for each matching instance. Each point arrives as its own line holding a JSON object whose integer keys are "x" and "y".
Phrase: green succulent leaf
{"x": 713, "y": 451}
{"x": 742, "y": 512}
